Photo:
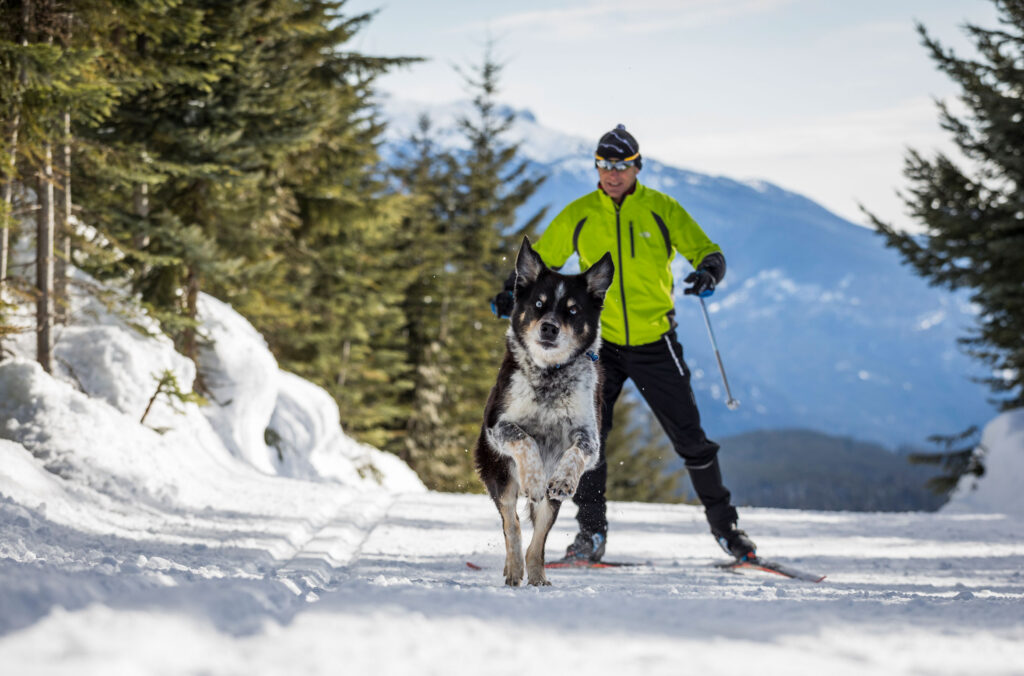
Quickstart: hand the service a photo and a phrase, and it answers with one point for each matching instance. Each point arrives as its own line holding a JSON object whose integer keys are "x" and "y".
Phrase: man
{"x": 643, "y": 229}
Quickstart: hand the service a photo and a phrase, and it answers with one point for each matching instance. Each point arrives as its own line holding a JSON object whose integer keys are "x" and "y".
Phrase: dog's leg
{"x": 510, "y": 439}
{"x": 576, "y": 459}
{"x": 543, "y": 515}
{"x": 513, "y": 535}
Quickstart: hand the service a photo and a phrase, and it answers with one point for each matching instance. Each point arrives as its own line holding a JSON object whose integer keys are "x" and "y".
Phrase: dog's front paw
{"x": 513, "y": 572}
{"x": 561, "y": 489}
{"x": 532, "y": 487}
{"x": 537, "y": 578}
{"x": 531, "y": 472}
{"x": 566, "y": 477}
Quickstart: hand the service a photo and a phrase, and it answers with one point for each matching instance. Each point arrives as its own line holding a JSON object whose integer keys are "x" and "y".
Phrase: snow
{"x": 909, "y": 593}
{"x": 241, "y": 375}
{"x": 199, "y": 543}
{"x": 1002, "y": 442}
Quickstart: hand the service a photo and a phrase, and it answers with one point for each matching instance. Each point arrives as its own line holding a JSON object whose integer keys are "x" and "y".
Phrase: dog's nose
{"x": 548, "y": 331}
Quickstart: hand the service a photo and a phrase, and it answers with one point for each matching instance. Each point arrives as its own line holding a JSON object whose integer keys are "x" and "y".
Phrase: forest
{"x": 168, "y": 148}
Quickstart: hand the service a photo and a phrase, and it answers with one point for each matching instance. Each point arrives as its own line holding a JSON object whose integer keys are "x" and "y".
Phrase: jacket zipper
{"x": 632, "y": 246}
{"x": 622, "y": 284}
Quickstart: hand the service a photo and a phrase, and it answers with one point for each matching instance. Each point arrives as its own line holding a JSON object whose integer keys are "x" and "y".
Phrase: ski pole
{"x": 730, "y": 402}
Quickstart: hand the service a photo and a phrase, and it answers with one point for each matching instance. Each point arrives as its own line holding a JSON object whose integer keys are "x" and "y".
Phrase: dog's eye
{"x": 572, "y": 311}
{"x": 540, "y": 303}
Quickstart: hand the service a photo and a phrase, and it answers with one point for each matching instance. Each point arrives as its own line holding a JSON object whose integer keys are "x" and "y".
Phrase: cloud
{"x": 853, "y": 36}
{"x": 913, "y": 122}
{"x": 592, "y": 20}
{"x": 840, "y": 160}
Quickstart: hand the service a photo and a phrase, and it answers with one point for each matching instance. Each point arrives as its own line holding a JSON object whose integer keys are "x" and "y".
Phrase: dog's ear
{"x": 599, "y": 276}
{"x": 528, "y": 265}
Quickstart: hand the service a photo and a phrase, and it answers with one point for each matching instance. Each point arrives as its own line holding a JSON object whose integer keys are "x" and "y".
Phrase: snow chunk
{"x": 999, "y": 490}
{"x": 242, "y": 378}
{"x": 310, "y": 441}
{"x": 121, "y": 366}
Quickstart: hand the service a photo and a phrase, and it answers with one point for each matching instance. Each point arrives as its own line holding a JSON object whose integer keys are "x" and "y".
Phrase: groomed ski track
{"x": 383, "y": 588}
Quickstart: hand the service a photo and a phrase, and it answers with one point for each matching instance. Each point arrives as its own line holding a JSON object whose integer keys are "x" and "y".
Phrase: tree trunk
{"x": 44, "y": 262}
{"x": 5, "y": 225}
{"x": 140, "y": 205}
{"x": 8, "y": 205}
{"x": 140, "y": 193}
{"x": 45, "y": 233}
{"x": 140, "y": 199}
{"x": 63, "y": 260}
{"x": 346, "y": 352}
{"x": 190, "y": 339}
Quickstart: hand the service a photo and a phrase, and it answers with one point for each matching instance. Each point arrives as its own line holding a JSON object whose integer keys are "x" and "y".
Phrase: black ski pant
{"x": 661, "y": 376}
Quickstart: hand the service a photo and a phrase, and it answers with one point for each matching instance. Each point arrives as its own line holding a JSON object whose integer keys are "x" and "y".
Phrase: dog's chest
{"x": 549, "y": 406}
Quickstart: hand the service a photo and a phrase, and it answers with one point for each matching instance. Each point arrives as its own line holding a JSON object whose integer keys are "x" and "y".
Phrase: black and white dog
{"x": 541, "y": 424}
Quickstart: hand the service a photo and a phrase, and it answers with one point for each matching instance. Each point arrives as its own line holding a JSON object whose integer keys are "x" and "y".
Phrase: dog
{"x": 542, "y": 419}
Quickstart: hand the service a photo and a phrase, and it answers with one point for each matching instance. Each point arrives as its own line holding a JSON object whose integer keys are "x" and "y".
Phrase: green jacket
{"x": 643, "y": 234}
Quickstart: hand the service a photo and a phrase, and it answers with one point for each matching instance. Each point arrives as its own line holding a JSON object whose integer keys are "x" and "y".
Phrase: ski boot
{"x": 586, "y": 547}
{"x": 735, "y": 542}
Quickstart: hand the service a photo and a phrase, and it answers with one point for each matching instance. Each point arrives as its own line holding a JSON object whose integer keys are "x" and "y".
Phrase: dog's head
{"x": 557, "y": 317}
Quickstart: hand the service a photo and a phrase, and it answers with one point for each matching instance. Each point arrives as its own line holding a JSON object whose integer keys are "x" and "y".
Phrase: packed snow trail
{"x": 199, "y": 543}
{"x": 906, "y": 593}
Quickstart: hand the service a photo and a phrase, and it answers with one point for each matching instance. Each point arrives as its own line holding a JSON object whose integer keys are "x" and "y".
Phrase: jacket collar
{"x": 632, "y": 189}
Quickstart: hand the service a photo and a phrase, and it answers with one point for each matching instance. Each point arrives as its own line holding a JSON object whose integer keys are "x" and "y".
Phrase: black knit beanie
{"x": 619, "y": 144}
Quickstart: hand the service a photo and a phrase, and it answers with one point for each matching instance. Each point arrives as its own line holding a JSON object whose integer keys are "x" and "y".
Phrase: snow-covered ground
{"x": 383, "y": 588}
{"x": 199, "y": 543}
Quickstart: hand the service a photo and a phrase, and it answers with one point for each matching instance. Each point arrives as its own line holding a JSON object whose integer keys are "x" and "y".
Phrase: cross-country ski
{"x": 766, "y": 566}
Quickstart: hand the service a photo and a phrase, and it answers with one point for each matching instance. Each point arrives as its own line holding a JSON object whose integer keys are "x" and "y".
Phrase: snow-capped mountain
{"x": 819, "y": 324}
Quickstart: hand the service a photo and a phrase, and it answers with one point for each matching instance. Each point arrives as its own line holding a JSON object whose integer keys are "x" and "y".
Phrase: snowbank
{"x": 999, "y": 489}
{"x": 97, "y": 504}
{"x": 84, "y": 425}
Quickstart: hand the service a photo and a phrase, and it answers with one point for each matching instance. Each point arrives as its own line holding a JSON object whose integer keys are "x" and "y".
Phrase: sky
{"x": 821, "y": 97}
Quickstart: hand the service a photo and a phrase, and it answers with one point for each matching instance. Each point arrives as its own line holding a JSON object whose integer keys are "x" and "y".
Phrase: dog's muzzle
{"x": 548, "y": 332}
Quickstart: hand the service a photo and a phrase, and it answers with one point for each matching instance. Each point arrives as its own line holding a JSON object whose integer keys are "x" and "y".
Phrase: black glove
{"x": 703, "y": 283}
{"x": 501, "y": 305}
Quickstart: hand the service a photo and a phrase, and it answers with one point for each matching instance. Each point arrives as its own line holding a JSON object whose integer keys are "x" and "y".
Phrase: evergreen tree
{"x": 242, "y": 161}
{"x": 467, "y": 208}
{"x": 494, "y": 182}
{"x": 430, "y": 175}
{"x": 177, "y": 138}
{"x": 327, "y": 294}
{"x": 13, "y": 77}
{"x": 46, "y": 82}
{"x": 221, "y": 195}
{"x": 150, "y": 50}
{"x": 974, "y": 217}
{"x": 215, "y": 155}
{"x": 961, "y": 455}
{"x": 639, "y": 456}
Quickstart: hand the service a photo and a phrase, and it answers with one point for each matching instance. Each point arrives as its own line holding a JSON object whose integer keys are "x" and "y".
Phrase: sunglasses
{"x": 614, "y": 165}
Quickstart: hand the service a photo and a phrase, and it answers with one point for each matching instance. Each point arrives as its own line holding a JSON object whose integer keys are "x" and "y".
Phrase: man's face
{"x": 617, "y": 183}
